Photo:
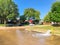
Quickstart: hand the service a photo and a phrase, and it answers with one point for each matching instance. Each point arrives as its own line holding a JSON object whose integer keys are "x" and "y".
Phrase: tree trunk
{"x": 4, "y": 22}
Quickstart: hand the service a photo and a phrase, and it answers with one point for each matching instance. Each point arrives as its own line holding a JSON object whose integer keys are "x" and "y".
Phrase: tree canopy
{"x": 54, "y": 14}
{"x": 47, "y": 18}
{"x": 22, "y": 18}
{"x": 30, "y": 12}
{"x": 8, "y": 9}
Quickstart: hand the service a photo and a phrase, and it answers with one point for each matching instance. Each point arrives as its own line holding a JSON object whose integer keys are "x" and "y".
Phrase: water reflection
{"x": 20, "y": 37}
{"x": 23, "y": 37}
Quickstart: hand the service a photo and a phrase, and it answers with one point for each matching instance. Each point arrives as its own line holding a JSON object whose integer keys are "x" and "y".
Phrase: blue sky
{"x": 43, "y": 6}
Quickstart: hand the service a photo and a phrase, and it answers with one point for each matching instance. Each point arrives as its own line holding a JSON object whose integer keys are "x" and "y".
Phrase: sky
{"x": 43, "y": 6}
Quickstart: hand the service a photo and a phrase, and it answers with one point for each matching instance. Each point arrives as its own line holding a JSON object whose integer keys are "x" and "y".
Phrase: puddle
{"x": 21, "y": 37}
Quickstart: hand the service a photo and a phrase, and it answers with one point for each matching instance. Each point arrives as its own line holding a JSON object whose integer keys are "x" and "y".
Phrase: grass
{"x": 2, "y": 24}
{"x": 43, "y": 28}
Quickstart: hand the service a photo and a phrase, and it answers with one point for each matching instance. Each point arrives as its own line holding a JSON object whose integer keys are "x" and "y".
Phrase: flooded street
{"x": 23, "y": 37}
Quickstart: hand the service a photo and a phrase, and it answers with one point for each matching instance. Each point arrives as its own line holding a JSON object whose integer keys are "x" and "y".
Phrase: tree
{"x": 22, "y": 18}
{"x": 37, "y": 15}
{"x": 30, "y": 12}
{"x": 47, "y": 18}
{"x": 54, "y": 14}
{"x": 55, "y": 17}
{"x": 8, "y": 10}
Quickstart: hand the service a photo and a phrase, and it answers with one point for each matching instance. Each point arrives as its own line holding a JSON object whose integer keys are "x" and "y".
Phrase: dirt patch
{"x": 12, "y": 28}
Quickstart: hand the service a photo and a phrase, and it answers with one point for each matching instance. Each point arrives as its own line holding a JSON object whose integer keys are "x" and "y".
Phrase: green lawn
{"x": 46, "y": 27}
{"x": 43, "y": 28}
{"x": 2, "y": 24}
